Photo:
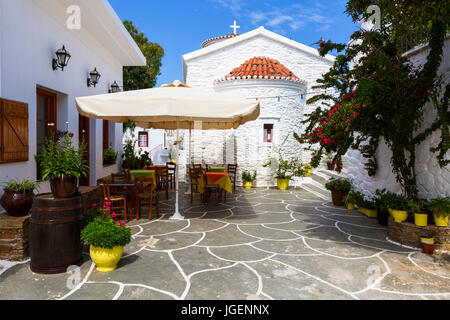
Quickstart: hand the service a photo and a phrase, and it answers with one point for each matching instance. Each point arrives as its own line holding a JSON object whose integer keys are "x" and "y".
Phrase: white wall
{"x": 30, "y": 33}
{"x": 432, "y": 180}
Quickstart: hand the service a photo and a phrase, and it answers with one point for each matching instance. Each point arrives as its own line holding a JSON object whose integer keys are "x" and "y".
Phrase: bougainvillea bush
{"x": 383, "y": 97}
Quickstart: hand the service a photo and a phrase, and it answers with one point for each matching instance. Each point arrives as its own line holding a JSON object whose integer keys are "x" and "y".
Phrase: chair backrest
{"x": 195, "y": 172}
{"x": 171, "y": 166}
{"x": 232, "y": 171}
{"x": 105, "y": 190}
{"x": 232, "y": 168}
{"x": 143, "y": 184}
{"x": 162, "y": 173}
{"x": 128, "y": 173}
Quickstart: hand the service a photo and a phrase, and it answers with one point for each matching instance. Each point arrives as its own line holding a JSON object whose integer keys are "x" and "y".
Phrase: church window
{"x": 268, "y": 133}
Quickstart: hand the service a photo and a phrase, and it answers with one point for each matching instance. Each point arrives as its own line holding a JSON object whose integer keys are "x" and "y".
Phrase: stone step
{"x": 316, "y": 191}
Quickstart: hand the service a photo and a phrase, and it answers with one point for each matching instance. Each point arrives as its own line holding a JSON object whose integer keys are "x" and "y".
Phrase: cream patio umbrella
{"x": 173, "y": 107}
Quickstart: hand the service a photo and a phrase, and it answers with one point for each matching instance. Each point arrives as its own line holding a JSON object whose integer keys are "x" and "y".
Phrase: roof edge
{"x": 259, "y": 31}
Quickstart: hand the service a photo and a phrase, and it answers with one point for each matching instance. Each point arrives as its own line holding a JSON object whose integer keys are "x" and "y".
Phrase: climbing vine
{"x": 381, "y": 95}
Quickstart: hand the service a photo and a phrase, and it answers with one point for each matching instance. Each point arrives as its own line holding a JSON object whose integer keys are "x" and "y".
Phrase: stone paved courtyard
{"x": 260, "y": 244}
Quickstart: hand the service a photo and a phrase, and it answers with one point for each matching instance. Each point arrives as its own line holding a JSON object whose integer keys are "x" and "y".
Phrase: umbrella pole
{"x": 190, "y": 157}
{"x": 177, "y": 215}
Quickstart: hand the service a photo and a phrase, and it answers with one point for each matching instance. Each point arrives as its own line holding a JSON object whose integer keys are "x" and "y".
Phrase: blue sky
{"x": 181, "y": 26}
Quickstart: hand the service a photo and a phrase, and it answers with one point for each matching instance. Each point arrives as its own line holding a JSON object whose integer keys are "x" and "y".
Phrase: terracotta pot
{"x": 428, "y": 248}
{"x": 64, "y": 187}
{"x": 17, "y": 203}
{"x": 330, "y": 166}
{"x": 338, "y": 198}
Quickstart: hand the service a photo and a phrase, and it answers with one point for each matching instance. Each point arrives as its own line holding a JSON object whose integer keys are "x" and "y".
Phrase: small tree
{"x": 136, "y": 78}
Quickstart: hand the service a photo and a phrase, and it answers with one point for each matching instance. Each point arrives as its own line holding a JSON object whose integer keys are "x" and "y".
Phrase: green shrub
{"x": 383, "y": 199}
{"x": 109, "y": 156}
{"x": 338, "y": 185}
{"x": 398, "y": 202}
{"x": 18, "y": 186}
{"x": 353, "y": 197}
{"x": 248, "y": 177}
{"x": 105, "y": 233}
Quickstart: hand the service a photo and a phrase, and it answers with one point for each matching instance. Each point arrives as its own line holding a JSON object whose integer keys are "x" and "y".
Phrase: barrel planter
{"x": 55, "y": 229}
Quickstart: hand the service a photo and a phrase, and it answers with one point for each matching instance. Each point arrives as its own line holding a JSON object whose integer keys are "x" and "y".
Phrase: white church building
{"x": 259, "y": 64}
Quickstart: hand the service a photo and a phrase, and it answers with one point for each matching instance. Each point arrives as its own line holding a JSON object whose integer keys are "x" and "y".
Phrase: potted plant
{"x": 308, "y": 169}
{"x": 339, "y": 189}
{"x": 130, "y": 160}
{"x": 382, "y": 200}
{"x": 419, "y": 209}
{"x": 398, "y": 206}
{"x": 352, "y": 198}
{"x": 441, "y": 211}
{"x": 283, "y": 170}
{"x": 107, "y": 236}
{"x": 18, "y": 197}
{"x": 248, "y": 179}
{"x": 109, "y": 157}
{"x": 63, "y": 164}
{"x": 368, "y": 208}
{"x": 427, "y": 243}
{"x": 330, "y": 163}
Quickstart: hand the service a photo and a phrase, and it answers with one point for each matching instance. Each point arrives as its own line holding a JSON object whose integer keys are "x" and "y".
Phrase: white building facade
{"x": 31, "y": 31}
{"x": 262, "y": 65}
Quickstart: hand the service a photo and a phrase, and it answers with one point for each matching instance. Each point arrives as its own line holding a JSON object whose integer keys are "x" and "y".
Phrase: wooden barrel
{"x": 55, "y": 231}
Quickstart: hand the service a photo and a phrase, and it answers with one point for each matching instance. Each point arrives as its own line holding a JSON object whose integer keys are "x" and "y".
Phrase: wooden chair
{"x": 162, "y": 178}
{"x": 123, "y": 176}
{"x": 211, "y": 188}
{"x": 107, "y": 197}
{"x": 232, "y": 171}
{"x": 172, "y": 168}
{"x": 145, "y": 194}
{"x": 195, "y": 174}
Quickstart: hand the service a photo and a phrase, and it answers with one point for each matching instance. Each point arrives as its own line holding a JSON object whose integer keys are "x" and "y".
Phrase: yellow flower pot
{"x": 283, "y": 184}
{"x": 399, "y": 215}
{"x": 427, "y": 240}
{"x": 351, "y": 206}
{"x": 421, "y": 219}
{"x": 248, "y": 185}
{"x": 106, "y": 259}
{"x": 440, "y": 221}
{"x": 369, "y": 212}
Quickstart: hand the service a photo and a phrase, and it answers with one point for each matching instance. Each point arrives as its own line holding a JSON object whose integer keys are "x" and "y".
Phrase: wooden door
{"x": 13, "y": 131}
{"x": 83, "y": 134}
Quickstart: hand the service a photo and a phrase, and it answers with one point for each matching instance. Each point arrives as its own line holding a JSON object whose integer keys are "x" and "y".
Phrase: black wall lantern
{"x": 62, "y": 59}
{"x": 93, "y": 78}
{"x": 114, "y": 88}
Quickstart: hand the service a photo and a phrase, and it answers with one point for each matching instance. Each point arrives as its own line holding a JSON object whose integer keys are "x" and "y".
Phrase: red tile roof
{"x": 218, "y": 39}
{"x": 262, "y": 67}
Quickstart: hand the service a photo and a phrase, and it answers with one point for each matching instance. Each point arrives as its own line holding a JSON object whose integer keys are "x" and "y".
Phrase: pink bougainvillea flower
{"x": 108, "y": 204}
{"x": 94, "y": 205}
{"x": 113, "y": 215}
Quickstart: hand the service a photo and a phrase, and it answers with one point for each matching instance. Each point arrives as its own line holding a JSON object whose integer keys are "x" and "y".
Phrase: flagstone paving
{"x": 260, "y": 244}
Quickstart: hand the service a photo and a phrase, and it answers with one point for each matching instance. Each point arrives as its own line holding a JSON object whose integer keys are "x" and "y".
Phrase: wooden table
{"x": 222, "y": 179}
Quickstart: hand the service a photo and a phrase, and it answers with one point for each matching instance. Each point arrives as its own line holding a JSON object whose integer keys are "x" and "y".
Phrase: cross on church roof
{"x": 235, "y": 27}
